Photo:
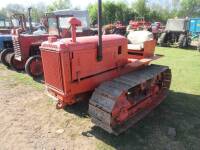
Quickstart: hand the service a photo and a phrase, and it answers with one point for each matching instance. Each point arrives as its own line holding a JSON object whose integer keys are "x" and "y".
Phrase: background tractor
{"x": 176, "y": 33}
{"x": 194, "y": 28}
{"x": 139, "y": 23}
{"x": 6, "y": 39}
{"x": 26, "y": 43}
{"x": 116, "y": 28}
{"x": 124, "y": 86}
{"x": 5, "y": 42}
{"x": 157, "y": 29}
{"x": 17, "y": 21}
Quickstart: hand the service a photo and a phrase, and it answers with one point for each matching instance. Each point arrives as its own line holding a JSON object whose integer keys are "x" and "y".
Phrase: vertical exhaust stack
{"x": 30, "y": 20}
{"x": 99, "y": 50}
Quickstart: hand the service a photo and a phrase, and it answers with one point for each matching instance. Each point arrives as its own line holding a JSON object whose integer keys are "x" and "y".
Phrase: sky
{"x": 81, "y": 3}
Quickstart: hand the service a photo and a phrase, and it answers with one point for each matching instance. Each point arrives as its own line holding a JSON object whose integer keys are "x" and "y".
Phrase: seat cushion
{"x": 135, "y": 47}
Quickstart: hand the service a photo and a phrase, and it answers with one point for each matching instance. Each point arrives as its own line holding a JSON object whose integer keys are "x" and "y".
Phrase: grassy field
{"x": 180, "y": 111}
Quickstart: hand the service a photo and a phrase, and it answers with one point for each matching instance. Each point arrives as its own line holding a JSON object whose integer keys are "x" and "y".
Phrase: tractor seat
{"x": 137, "y": 47}
{"x": 137, "y": 38}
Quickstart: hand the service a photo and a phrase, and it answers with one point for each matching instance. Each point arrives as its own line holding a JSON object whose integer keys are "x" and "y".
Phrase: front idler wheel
{"x": 33, "y": 66}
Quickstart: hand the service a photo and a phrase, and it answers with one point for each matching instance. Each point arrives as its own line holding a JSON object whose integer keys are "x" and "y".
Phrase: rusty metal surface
{"x": 106, "y": 95}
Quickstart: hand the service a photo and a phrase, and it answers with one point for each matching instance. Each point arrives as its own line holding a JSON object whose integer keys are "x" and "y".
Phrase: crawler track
{"x": 118, "y": 104}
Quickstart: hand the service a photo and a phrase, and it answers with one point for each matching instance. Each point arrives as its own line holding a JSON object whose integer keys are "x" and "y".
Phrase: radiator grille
{"x": 17, "y": 48}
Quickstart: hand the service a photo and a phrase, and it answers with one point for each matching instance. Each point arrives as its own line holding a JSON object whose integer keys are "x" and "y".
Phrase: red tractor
{"x": 26, "y": 42}
{"x": 140, "y": 24}
{"x": 125, "y": 87}
{"x": 18, "y": 23}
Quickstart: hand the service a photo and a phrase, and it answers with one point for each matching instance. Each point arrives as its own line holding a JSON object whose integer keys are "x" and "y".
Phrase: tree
{"x": 14, "y": 8}
{"x": 140, "y": 6}
{"x": 3, "y": 13}
{"x": 190, "y": 8}
{"x": 59, "y": 4}
{"x": 112, "y": 11}
{"x": 93, "y": 8}
{"x": 38, "y": 11}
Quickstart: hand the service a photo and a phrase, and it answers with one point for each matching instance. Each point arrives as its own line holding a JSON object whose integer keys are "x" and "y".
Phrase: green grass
{"x": 181, "y": 111}
{"x": 19, "y": 78}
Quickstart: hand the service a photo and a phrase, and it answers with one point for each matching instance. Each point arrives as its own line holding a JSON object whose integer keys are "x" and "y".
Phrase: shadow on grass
{"x": 189, "y": 48}
{"x": 180, "y": 111}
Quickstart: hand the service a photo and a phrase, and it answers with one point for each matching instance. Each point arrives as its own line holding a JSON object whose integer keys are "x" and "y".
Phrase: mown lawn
{"x": 180, "y": 111}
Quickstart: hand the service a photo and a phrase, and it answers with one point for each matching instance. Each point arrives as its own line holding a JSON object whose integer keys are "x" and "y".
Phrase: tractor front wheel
{"x": 4, "y": 56}
{"x": 15, "y": 64}
{"x": 33, "y": 66}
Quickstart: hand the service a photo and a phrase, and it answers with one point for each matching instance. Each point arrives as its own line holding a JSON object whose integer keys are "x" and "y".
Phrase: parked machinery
{"x": 139, "y": 23}
{"x": 5, "y": 41}
{"x": 26, "y": 44}
{"x": 17, "y": 21}
{"x": 124, "y": 87}
{"x": 194, "y": 28}
{"x": 116, "y": 28}
{"x": 157, "y": 29}
{"x": 176, "y": 33}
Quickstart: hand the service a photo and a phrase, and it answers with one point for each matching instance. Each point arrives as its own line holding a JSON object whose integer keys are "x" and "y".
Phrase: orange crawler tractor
{"x": 124, "y": 86}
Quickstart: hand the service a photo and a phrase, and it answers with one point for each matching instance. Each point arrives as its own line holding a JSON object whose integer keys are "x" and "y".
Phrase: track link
{"x": 106, "y": 96}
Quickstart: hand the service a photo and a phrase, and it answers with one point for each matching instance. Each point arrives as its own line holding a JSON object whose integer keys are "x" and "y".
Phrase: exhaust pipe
{"x": 30, "y": 20}
{"x": 99, "y": 49}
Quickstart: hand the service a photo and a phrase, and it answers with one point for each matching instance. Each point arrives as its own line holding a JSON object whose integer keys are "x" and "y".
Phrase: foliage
{"x": 38, "y": 11}
{"x": 190, "y": 8}
{"x": 112, "y": 11}
{"x": 151, "y": 10}
{"x": 140, "y": 6}
{"x": 117, "y": 10}
{"x": 59, "y": 4}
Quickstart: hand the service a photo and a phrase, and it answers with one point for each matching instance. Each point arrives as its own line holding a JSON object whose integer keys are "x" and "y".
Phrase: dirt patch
{"x": 29, "y": 119}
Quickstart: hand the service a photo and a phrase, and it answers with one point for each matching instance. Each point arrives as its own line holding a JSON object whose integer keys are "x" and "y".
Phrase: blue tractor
{"x": 5, "y": 41}
{"x": 194, "y": 28}
{"x": 5, "y": 37}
